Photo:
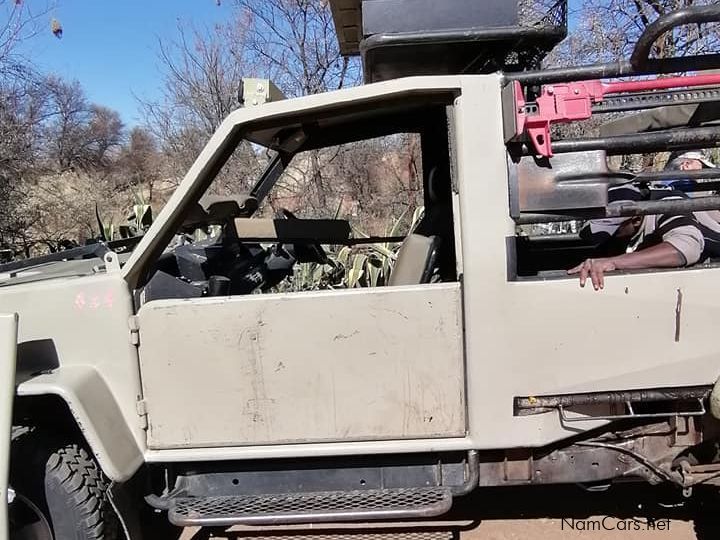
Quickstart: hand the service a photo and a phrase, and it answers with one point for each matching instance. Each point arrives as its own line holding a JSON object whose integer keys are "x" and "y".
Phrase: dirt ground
{"x": 553, "y": 529}
{"x": 594, "y": 528}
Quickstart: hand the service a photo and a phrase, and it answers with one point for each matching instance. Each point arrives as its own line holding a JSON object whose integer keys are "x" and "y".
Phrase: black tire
{"x": 65, "y": 483}
{"x": 706, "y": 519}
{"x": 705, "y": 529}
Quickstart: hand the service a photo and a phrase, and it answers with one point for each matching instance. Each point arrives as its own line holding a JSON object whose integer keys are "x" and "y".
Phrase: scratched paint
{"x": 305, "y": 368}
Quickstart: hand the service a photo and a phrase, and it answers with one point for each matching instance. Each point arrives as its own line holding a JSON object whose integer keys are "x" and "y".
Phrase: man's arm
{"x": 663, "y": 255}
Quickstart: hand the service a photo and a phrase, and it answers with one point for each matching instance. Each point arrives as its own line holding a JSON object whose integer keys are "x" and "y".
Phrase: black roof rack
{"x": 398, "y": 38}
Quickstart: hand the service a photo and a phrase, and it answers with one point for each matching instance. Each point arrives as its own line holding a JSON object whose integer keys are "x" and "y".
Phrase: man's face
{"x": 630, "y": 227}
{"x": 690, "y": 165}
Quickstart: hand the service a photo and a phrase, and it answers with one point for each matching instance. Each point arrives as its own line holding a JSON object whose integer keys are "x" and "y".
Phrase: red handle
{"x": 569, "y": 102}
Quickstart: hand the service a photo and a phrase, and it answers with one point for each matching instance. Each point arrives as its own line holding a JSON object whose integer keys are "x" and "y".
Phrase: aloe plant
{"x": 376, "y": 261}
{"x": 139, "y": 221}
{"x": 362, "y": 265}
{"x": 141, "y": 216}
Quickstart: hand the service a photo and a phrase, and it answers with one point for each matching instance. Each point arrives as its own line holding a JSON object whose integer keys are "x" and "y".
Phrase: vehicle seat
{"x": 416, "y": 260}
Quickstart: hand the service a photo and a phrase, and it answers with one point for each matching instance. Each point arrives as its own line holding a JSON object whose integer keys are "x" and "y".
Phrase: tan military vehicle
{"x": 163, "y": 382}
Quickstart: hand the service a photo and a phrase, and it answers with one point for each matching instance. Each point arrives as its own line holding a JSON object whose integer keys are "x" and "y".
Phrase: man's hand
{"x": 594, "y": 269}
{"x": 662, "y": 255}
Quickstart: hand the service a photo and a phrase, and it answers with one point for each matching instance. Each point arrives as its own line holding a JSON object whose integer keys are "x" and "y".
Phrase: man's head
{"x": 689, "y": 161}
{"x": 623, "y": 228}
{"x": 629, "y": 227}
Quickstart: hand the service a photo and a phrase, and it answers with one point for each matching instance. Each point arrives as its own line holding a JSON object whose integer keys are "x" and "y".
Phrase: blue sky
{"x": 110, "y": 46}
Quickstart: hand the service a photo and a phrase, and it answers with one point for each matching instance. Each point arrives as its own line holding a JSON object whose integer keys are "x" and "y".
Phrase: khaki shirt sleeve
{"x": 688, "y": 240}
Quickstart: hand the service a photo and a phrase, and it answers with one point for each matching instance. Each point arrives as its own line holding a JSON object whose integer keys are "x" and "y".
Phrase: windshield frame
{"x": 371, "y": 101}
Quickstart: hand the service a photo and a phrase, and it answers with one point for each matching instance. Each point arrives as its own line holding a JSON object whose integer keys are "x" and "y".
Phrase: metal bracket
{"x": 258, "y": 92}
{"x": 632, "y": 414}
{"x": 134, "y": 327}
{"x": 141, "y": 408}
{"x": 112, "y": 262}
{"x": 573, "y": 101}
{"x": 639, "y": 63}
{"x": 541, "y": 404}
{"x": 472, "y": 477}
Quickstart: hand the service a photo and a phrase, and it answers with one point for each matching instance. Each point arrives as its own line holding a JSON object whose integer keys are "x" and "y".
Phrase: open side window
{"x": 360, "y": 198}
{"x": 558, "y": 184}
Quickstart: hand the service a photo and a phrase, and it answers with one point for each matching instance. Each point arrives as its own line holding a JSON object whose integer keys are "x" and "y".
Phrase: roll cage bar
{"x": 555, "y": 179}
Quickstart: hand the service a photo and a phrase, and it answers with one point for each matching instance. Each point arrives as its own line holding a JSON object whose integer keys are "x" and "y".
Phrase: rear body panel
{"x": 535, "y": 337}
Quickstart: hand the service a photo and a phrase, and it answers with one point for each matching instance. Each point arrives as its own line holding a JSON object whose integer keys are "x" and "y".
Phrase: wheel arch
{"x": 77, "y": 398}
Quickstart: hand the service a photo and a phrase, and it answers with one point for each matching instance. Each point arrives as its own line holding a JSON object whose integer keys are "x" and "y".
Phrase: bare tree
{"x": 608, "y": 30}
{"x": 203, "y": 70}
{"x": 104, "y": 135}
{"x": 78, "y": 133}
{"x": 141, "y": 162}
{"x": 59, "y": 154}
{"x": 22, "y": 105}
{"x": 19, "y": 21}
{"x": 20, "y": 111}
{"x": 65, "y": 131}
{"x": 293, "y": 42}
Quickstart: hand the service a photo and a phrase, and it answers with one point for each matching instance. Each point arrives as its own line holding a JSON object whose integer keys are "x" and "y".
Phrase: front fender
{"x": 96, "y": 413}
{"x": 8, "y": 353}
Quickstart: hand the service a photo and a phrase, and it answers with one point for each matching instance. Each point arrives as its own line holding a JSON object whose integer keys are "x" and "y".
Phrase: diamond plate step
{"x": 329, "y": 506}
{"x": 388, "y": 535}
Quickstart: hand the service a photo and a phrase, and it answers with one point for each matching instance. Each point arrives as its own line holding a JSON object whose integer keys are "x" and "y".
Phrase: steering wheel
{"x": 306, "y": 252}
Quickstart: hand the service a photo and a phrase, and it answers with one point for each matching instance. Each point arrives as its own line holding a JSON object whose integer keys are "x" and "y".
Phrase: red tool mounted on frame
{"x": 573, "y": 101}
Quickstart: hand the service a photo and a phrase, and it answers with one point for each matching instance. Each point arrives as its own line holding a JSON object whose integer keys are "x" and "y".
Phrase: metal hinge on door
{"x": 134, "y": 325}
{"x": 141, "y": 408}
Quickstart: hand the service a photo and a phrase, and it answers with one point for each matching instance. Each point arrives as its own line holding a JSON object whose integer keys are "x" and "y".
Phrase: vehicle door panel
{"x": 365, "y": 364}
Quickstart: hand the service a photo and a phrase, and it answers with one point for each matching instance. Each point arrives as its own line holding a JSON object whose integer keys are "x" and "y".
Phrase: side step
{"x": 361, "y": 535}
{"x": 327, "y": 506}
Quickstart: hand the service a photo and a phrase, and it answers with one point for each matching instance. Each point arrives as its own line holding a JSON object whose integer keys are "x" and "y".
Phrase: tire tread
{"x": 73, "y": 468}
{"x": 68, "y": 484}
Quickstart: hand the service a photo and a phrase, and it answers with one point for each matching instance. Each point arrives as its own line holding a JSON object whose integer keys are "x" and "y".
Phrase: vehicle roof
{"x": 347, "y": 15}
